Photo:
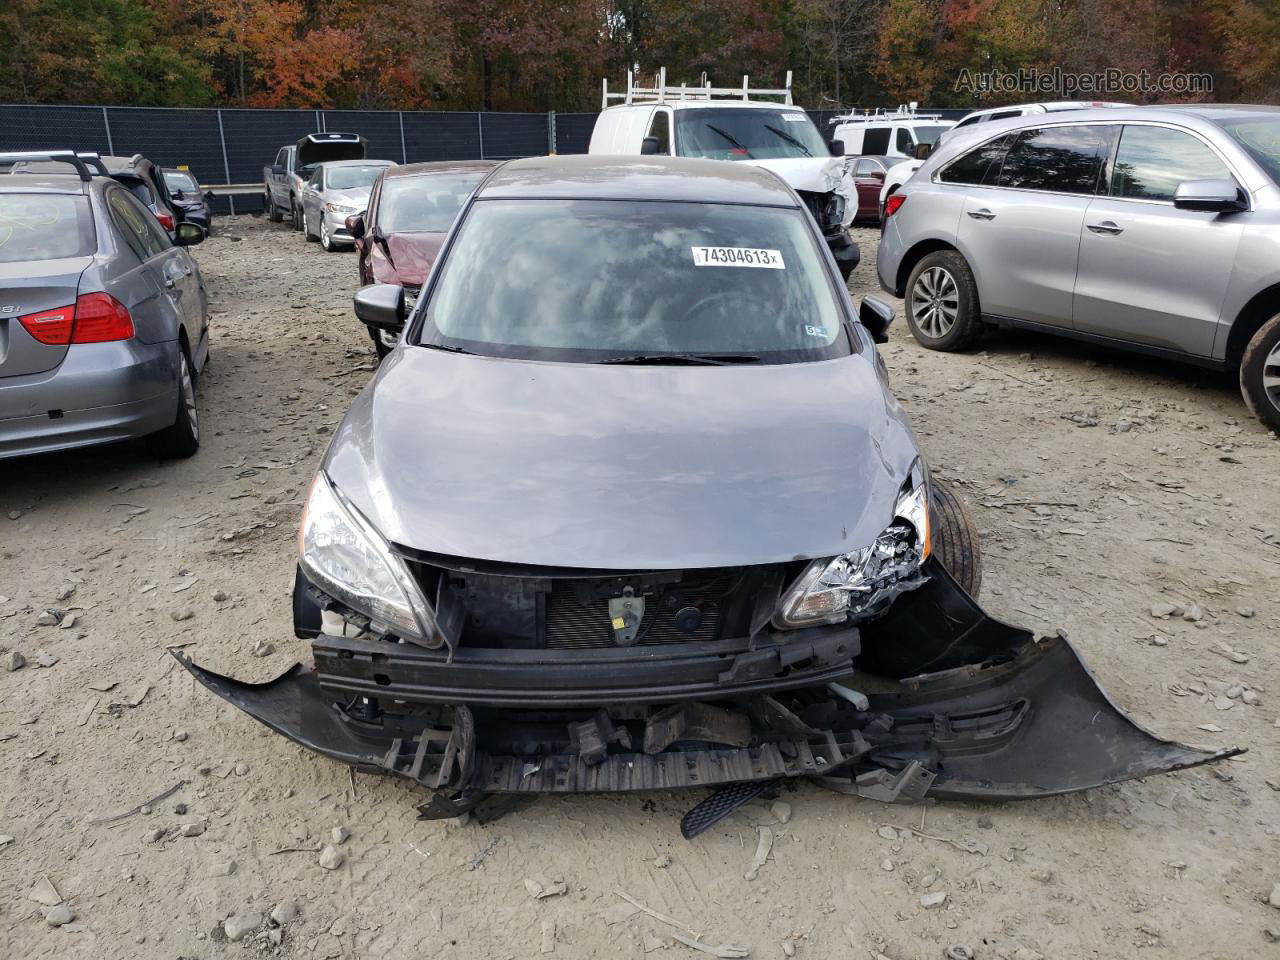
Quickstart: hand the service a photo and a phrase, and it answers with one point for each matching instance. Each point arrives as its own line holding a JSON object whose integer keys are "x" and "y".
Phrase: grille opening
{"x": 521, "y": 609}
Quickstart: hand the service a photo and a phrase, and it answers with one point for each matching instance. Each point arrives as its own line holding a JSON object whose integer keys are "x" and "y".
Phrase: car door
{"x": 141, "y": 286}
{"x": 313, "y": 198}
{"x": 868, "y": 178}
{"x": 1150, "y": 273}
{"x": 1020, "y": 228}
{"x": 280, "y": 177}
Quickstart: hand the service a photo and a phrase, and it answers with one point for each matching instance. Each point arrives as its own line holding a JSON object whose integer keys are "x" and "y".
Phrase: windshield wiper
{"x": 789, "y": 138}
{"x": 448, "y": 349}
{"x": 693, "y": 359}
{"x": 730, "y": 137}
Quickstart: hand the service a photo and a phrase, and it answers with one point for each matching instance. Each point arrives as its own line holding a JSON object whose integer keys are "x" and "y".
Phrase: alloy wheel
{"x": 935, "y": 302}
{"x": 325, "y": 240}
{"x": 188, "y": 387}
{"x": 1271, "y": 376}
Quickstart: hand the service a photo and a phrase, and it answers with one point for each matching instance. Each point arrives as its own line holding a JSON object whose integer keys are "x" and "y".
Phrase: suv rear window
{"x": 594, "y": 280}
{"x": 38, "y": 226}
{"x": 1057, "y": 159}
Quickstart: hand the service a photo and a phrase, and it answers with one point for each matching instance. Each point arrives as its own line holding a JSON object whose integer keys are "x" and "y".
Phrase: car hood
{"x": 813, "y": 174}
{"x": 623, "y": 467}
{"x": 407, "y": 258}
{"x": 357, "y": 197}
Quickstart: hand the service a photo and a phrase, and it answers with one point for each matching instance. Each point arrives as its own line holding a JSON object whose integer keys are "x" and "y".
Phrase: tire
{"x": 273, "y": 212}
{"x": 181, "y": 439}
{"x": 326, "y": 240}
{"x": 379, "y": 347}
{"x": 306, "y": 229}
{"x": 942, "y": 302}
{"x": 295, "y": 214}
{"x": 955, "y": 538}
{"x": 1260, "y": 374}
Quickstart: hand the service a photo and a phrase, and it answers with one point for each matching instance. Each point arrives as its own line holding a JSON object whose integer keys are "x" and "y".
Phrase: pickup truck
{"x": 282, "y": 181}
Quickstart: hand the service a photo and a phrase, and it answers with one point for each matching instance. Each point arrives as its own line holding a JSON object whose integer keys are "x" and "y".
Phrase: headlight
{"x": 346, "y": 557}
{"x": 859, "y": 584}
{"x": 341, "y": 208}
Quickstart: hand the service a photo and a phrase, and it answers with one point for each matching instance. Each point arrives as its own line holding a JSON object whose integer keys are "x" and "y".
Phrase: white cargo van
{"x": 726, "y": 123}
{"x": 898, "y": 135}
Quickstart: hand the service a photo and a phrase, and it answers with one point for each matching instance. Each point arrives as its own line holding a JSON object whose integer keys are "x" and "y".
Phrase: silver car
{"x": 103, "y": 320}
{"x": 335, "y": 191}
{"x": 1153, "y": 229}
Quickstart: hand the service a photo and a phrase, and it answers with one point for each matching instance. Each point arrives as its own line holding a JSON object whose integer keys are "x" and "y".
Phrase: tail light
{"x": 93, "y": 318}
{"x": 166, "y": 220}
{"x": 893, "y": 202}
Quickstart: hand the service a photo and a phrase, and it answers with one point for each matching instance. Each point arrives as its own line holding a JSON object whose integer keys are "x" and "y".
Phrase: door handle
{"x": 983, "y": 214}
{"x": 1106, "y": 228}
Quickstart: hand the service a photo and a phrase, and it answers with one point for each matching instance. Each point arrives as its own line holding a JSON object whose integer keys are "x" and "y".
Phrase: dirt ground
{"x": 1149, "y": 484}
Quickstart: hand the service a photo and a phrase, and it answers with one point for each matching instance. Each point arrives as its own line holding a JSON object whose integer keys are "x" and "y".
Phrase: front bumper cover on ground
{"x": 991, "y": 713}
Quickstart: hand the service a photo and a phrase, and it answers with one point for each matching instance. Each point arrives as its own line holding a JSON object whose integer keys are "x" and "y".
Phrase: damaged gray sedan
{"x": 632, "y": 507}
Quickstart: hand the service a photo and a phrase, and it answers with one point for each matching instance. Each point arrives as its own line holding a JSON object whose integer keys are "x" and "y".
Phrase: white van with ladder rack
{"x": 732, "y": 123}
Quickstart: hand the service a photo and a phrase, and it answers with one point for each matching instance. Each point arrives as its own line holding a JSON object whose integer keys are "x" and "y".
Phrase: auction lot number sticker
{"x": 738, "y": 257}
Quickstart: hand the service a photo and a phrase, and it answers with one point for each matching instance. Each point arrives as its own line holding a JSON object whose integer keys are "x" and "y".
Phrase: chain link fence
{"x": 231, "y": 146}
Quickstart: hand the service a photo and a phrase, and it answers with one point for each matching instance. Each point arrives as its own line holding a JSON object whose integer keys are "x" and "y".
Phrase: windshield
{"x": 427, "y": 204}
{"x": 593, "y": 280}
{"x": 349, "y": 178}
{"x": 44, "y": 227}
{"x": 177, "y": 180}
{"x": 1261, "y": 139}
{"x": 746, "y": 133}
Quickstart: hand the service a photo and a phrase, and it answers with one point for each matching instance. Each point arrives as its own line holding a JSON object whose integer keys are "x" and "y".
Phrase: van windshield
{"x": 747, "y": 133}
{"x": 610, "y": 280}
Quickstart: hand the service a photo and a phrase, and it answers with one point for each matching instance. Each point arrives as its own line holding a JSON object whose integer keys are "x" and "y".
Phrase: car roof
{"x": 597, "y": 177}
{"x": 440, "y": 166}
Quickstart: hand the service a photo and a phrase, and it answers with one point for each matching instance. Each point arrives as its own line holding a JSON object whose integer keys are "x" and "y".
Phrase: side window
{"x": 660, "y": 129}
{"x": 1004, "y": 115}
{"x": 868, "y": 168}
{"x": 141, "y": 232}
{"x": 981, "y": 165}
{"x": 1057, "y": 159}
{"x": 317, "y": 178}
{"x": 969, "y": 121}
{"x": 905, "y": 142}
{"x": 875, "y": 141}
{"x": 282, "y": 157}
{"x": 1152, "y": 161}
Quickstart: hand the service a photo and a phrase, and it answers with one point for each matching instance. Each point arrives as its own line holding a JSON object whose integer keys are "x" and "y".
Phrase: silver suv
{"x": 1153, "y": 229}
{"x": 103, "y": 319}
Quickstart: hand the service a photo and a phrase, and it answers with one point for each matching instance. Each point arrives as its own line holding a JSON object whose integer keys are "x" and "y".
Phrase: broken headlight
{"x": 861, "y": 583}
{"x": 343, "y": 555}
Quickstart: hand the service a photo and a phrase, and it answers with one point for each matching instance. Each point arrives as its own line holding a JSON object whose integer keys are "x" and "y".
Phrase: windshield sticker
{"x": 737, "y": 257}
{"x": 795, "y": 117}
{"x": 816, "y": 331}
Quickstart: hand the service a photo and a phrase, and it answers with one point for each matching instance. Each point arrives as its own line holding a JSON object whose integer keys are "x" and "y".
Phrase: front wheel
{"x": 326, "y": 238}
{"x": 942, "y": 302}
{"x": 955, "y": 538}
{"x": 1260, "y": 374}
{"x": 273, "y": 212}
{"x": 182, "y": 438}
{"x": 383, "y": 341}
{"x": 306, "y": 229}
{"x": 295, "y": 215}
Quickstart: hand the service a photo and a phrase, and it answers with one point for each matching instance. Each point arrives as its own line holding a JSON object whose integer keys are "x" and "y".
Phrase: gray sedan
{"x": 1152, "y": 229}
{"x": 103, "y": 319}
{"x": 335, "y": 191}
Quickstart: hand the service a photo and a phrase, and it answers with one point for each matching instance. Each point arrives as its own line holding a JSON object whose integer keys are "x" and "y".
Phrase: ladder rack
{"x": 906, "y": 111}
{"x": 660, "y": 92}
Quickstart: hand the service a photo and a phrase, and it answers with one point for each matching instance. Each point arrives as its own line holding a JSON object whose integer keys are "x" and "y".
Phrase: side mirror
{"x": 1215, "y": 196}
{"x": 355, "y": 224}
{"x": 876, "y": 316}
{"x": 836, "y": 147}
{"x": 209, "y": 194}
{"x": 649, "y": 146}
{"x": 277, "y": 170}
{"x": 188, "y": 234}
{"x": 381, "y": 305}
{"x": 923, "y": 150}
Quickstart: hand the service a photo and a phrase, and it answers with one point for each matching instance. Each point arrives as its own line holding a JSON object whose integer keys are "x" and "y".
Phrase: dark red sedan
{"x": 410, "y": 210}
{"x": 868, "y": 179}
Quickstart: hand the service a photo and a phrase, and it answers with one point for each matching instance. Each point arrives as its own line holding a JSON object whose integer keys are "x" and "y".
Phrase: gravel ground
{"x": 1156, "y": 488}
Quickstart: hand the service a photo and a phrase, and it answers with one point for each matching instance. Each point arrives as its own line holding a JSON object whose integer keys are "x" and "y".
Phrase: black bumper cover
{"x": 985, "y": 711}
